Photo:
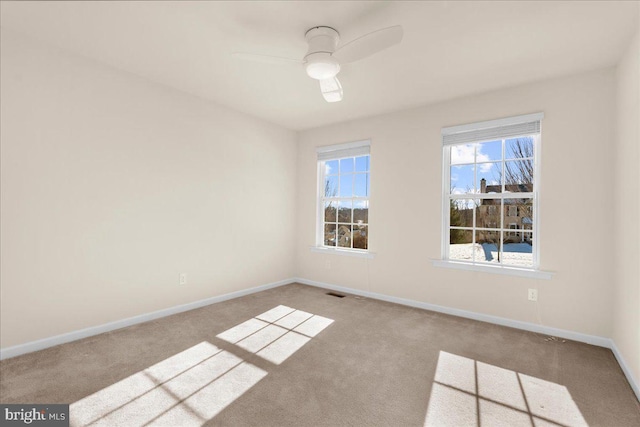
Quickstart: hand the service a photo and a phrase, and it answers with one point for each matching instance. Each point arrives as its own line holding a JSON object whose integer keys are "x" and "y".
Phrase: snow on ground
{"x": 519, "y": 254}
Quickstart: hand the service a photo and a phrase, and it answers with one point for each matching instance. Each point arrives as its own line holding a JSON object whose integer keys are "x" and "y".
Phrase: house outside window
{"x": 490, "y": 193}
{"x": 343, "y": 197}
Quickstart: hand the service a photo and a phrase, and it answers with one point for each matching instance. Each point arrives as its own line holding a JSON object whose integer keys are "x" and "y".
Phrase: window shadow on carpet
{"x": 466, "y": 392}
{"x": 193, "y": 386}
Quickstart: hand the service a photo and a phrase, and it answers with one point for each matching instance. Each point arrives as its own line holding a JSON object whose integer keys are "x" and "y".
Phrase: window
{"x": 490, "y": 193}
{"x": 343, "y": 197}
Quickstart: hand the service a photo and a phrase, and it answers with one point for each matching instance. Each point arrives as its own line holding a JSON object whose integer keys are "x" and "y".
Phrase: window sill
{"x": 346, "y": 252}
{"x": 509, "y": 271}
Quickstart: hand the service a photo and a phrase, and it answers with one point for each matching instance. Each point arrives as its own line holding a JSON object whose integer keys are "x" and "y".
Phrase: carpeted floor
{"x": 294, "y": 356}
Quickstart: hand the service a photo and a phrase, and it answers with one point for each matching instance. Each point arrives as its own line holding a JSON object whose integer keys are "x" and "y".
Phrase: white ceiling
{"x": 450, "y": 49}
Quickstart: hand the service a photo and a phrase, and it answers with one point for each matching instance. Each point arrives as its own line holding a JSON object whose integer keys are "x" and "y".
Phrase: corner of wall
{"x": 626, "y": 271}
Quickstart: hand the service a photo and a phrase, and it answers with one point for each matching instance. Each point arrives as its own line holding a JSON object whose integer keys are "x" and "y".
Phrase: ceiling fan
{"x": 323, "y": 58}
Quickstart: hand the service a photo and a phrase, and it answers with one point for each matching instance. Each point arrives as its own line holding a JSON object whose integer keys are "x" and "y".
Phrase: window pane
{"x": 461, "y": 212}
{"x": 462, "y": 154}
{"x": 331, "y": 167}
{"x": 518, "y": 176}
{"x": 519, "y": 148}
{"x": 488, "y": 213}
{"x": 361, "y": 212}
{"x": 360, "y": 237}
{"x": 362, "y": 164}
{"x": 460, "y": 245}
{"x": 489, "y": 178}
{"x": 362, "y": 185}
{"x": 330, "y": 234}
{"x": 330, "y": 186}
{"x": 519, "y": 253}
{"x": 346, "y": 165}
{"x": 346, "y": 185}
{"x": 517, "y": 216}
{"x": 489, "y": 242}
{"x": 491, "y": 150}
{"x": 344, "y": 235}
{"x": 345, "y": 202}
{"x": 330, "y": 211}
{"x": 462, "y": 179}
{"x": 344, "y": 211}
{"x": 480, "y": 228}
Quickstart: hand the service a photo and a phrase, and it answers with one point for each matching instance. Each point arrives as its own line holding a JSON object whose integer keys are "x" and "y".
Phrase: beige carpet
{"x": 294, "y": 356}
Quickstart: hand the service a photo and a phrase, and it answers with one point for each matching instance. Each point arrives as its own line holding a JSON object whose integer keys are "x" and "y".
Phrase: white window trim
{"x": 358, "y": 253}
{"x": 495, "y": 269}
{"x": 534, "y": 272}
{"x": 350, "y": 149}
{"x": 489, "y": 124}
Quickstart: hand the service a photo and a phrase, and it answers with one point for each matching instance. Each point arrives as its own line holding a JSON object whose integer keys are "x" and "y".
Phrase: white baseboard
{"x": 118, "y": 324}
{"x": 95, "y": 330}
{"x": 633, "y": 382}
{"x": 532, "y": 327}
{"x": 562, "y": 333}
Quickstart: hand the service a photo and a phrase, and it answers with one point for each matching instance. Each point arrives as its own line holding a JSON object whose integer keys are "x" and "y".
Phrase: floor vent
{"x": 333, "y": 294}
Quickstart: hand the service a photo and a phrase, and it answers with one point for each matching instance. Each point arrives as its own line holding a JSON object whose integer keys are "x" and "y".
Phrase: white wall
{"x": 405, "y": 209}
{"x": 113, "y": 185}
{"x": 626, "y": 327}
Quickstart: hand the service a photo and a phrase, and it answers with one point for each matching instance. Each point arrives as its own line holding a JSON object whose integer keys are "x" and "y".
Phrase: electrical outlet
{"x": 533, "y": 295}
{"x": 183, "y": 278}
{"x": 327, "y": 264}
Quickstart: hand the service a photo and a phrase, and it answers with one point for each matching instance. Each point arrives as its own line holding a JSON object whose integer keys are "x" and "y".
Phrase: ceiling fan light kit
{"x": 323, "y": 58}
{"x": 321, "y": 66}
{"x": 319, "y": 63}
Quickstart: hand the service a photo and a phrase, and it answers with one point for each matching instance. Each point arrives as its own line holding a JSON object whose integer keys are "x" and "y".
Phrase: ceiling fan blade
{"x": 369, "y": 44}
{"x": 265, "y": 58}
{"x": 331, "y": 89}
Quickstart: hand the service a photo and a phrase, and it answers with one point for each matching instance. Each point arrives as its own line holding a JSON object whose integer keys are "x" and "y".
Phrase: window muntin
{"x": 343, "y": 220}
{"x": 491, "y": 196}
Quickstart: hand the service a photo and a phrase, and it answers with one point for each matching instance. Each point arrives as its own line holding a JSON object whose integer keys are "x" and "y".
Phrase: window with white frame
{"x": 343, "y": 196}
{"x": 490, "y": 192}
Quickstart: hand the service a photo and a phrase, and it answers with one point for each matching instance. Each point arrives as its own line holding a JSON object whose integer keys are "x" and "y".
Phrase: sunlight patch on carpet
{"x": 275, "y": 313}
{"x": 276, "y": 334}
{"x": 278, "y": 351}
{"x": 193, "y": 386}
{"x": 188, "y": 388}
{"x": 242, "y": 331}
{"x": 466, "y": 392}
{"x": 262, "y": 338}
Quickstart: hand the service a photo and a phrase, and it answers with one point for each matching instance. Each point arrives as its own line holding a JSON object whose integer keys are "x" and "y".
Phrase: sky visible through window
{"x": 343, "y": 186}
{"x": 488, "y": 155}
{"x": 346, "y": 202}
{"x": 485, "y": 223}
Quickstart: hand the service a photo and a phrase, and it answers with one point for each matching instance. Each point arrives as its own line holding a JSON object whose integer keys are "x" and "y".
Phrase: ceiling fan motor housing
{"x": 320, "y": 65}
